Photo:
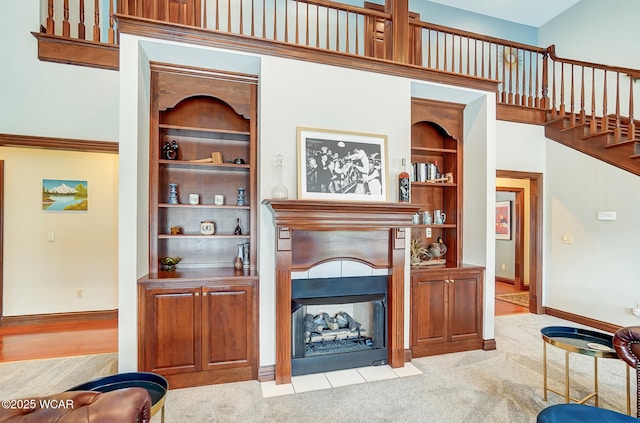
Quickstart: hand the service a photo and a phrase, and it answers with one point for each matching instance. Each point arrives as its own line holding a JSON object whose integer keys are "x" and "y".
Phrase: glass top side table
{"x": 585, "y": 342}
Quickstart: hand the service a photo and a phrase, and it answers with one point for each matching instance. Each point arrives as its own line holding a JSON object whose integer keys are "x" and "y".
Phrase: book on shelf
{"x": 423, "y": 172}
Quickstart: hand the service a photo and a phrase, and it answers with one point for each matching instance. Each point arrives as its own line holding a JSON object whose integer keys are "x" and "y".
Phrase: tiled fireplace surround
{"x": 338, "y": 239}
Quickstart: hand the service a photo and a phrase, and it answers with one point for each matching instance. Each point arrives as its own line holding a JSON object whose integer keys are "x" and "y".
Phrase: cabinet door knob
{"x": 204, "y": 294}
{"x": 197, "y": 294}
{"x": 451, "y": 280}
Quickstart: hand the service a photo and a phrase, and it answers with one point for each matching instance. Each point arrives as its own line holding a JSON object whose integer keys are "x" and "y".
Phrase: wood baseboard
{"x": 267, "y": 373}
{"x": 600, "y": 325}
{"x": 489, "y": 344}
{"x": 39, "y": 319}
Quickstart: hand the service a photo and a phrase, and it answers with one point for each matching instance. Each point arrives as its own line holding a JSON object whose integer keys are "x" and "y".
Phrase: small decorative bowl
{"x": 170, "y": 262}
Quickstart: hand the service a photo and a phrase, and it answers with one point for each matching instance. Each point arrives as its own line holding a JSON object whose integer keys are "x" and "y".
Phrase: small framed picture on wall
{"x": 503, "y": 220}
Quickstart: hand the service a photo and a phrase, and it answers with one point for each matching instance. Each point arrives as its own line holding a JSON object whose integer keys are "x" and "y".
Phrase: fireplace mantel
{"x": 320, "y": 215}
{"x": 370, "y": 232}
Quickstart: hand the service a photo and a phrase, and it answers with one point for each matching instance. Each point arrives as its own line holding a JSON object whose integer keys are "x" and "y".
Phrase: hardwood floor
{"x": 58, "y": 340}
{"x": 503, "y": 308}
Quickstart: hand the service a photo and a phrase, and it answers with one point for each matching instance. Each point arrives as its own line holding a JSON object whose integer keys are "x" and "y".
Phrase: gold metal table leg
{"x": 595, "y": 379}
{"x": 566, "y": 377}
{"x": 628, "y": 389}
{"x": 544, "y": 369}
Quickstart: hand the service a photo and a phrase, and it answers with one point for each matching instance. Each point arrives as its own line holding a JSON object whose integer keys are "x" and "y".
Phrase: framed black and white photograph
{"x": 342, "y": 166}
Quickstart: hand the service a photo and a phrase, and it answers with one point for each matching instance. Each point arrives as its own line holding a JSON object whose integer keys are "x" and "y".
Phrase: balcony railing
{"x": 531, "y": 78}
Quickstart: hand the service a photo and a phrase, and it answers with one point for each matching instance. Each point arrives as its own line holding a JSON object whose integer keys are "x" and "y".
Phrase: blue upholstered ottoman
{"x": 567, "y": 413}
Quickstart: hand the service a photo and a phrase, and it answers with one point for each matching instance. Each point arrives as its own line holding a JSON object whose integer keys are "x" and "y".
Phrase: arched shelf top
{"x": 204, "y": 111}
{"x": 177, "y": 100}
{"x": 440, "y": 130}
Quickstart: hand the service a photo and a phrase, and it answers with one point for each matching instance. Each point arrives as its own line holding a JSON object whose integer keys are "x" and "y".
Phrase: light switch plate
{"x": 606, "y": 215}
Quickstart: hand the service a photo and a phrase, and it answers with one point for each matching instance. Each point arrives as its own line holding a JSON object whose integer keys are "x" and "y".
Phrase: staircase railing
{"x": 531, "y": 78}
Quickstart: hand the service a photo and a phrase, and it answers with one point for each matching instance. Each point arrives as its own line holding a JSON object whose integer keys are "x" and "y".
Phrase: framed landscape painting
{"x": 65, "y": 195}
{"x": 341, "y": 166}
{"x": 503, "y": 220}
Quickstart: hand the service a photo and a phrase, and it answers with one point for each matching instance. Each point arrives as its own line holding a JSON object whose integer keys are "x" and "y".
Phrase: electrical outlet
{"x": 79, "y": 293}
{"x": 427, "y": 232}
{"x": 503, "y": 266}
{"x": 50, "y": 237}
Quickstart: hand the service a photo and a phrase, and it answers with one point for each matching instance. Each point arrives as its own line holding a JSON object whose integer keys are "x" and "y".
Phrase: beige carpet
{"x": 503, "y": 385}
{"x": 517, "y": 298}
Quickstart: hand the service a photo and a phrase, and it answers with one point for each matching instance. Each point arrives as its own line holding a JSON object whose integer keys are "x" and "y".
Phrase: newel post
{"x": 398, "y": 28}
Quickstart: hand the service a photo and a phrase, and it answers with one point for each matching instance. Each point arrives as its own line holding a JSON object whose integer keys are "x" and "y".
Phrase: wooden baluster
{"x": 429, "y": 48}
{"x": 616, "y": 130}
{"x": 81, "y": 28}
{"x": 545, "y": 86}
{"x": 346, "y": 47}
{"x": 317, "y": 26}
{"x": 605, "y": 119}
{"x": 593, "y": 125}
{"x": 111, "y": 33}
{"x": 241, "y": 28}
{"x": 217, "y": 24}
{"x": 582, "y": 111}
{"x": 96, "y": 21}
{"x": 562, "y": 106}
{"x": 66, "y": 26}
{"x": 205, "y": 24}
{"x": 327, "y": 29}
{"x": 510, "y": 97}
{"x": 51, "y": 26}
{"x": 632, "y": 125}
{"x": 228, "y": 15}
{"x": 307, "y": 24}
{"x": 530, "y": 91}
{"x": 253, "y": 18}
{"x": 538, "y": 93}
{"x": 337, "y": 30}
{"x": 504, "y": 78}
{"x": 275, "y": 20}
{"x": 264, "y": 19}
{"x": 573, "y": 95}
{"x": 286, "y": 21}
{"x": 516, "y": 75}
{"x": 296, "y": 38}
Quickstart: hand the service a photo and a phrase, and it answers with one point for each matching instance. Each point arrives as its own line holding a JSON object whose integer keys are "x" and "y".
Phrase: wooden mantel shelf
{"x": 316, "y": 214}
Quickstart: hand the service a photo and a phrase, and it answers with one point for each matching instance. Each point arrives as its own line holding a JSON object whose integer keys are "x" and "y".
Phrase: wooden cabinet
{"x": 198, "y": 323}
{"x": 196, "y": 333}
{"x": 446, "y": 310}
{"x": 446, "y": 298}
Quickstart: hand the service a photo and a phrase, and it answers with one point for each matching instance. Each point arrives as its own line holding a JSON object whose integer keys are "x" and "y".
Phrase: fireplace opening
{"x": 338, "y": 323}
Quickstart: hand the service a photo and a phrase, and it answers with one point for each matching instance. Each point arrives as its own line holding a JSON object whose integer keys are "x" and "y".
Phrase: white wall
{"x": 597, "y": 275}
{"x": 50, "y": 99}
{"x": 43, "y": 277}
{"x": 596, "y": 31}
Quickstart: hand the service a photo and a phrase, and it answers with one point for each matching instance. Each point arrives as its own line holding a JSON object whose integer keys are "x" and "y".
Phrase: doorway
{"x": 527, "y": 264}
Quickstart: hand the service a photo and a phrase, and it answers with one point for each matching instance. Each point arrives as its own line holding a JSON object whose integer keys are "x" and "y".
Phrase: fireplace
{"x": 338, "y": 323}
{"x": 312, "y": 232}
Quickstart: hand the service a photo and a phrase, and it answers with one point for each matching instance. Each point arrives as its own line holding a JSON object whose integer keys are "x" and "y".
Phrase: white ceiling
{"x": 527, "y": 12}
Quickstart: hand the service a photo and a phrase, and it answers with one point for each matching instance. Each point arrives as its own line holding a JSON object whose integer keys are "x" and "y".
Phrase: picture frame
{"x": 342, "y": 166}
{"x": 65, "y": 195}
{"x": 503, "y": 220}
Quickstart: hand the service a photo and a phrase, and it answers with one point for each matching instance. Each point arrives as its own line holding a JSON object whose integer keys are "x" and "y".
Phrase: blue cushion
{"x": 566, "y": 413}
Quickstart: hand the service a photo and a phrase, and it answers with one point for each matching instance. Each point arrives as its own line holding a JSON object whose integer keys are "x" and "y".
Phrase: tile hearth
{"x": 318, "y": 381}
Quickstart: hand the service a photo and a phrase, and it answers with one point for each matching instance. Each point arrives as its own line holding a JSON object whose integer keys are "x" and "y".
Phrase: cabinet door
{"x": 465, "y": 307}
{"x": 172, "y": 325}
{"x": 228, "y": 326}
{"x": 428, "y": 310}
